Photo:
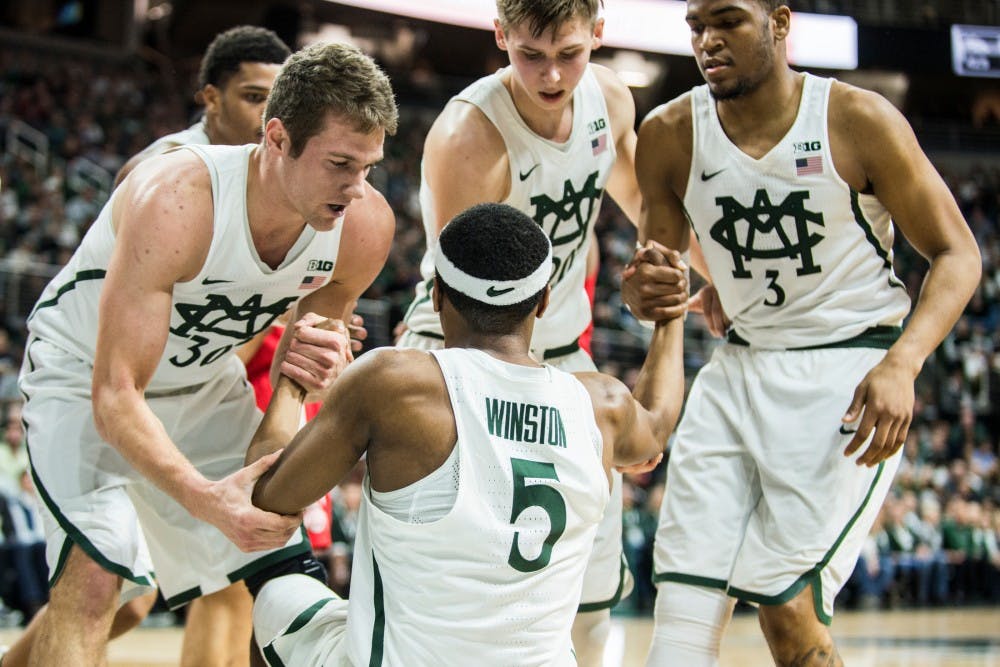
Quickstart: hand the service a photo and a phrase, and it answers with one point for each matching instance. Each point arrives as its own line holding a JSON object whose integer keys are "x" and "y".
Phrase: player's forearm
{"x": 281, "y": 420}
{"x": 660, "y": 385}
{"x": 125, "y": 421}
{"x": 947, "y": 288}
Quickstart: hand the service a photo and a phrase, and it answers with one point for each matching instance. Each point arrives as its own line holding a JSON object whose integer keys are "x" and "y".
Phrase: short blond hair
{"x": 330, "y": 77}
{"x": 542, "y": 15}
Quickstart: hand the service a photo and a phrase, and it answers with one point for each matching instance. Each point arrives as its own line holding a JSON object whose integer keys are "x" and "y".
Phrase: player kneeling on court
{"x": 487, "y": 472}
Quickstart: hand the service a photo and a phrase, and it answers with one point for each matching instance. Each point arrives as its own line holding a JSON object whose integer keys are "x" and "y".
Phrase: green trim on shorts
{"x": 183, "y": 598}
{"x": 271, "y": 656}
{"x": 378, "y": 627}
{"x": 814, "y": 575}
{"x": 879, "y": 337}
{"x": 76, "y": 535}
{"x": 306, "y": 616}
{"x": 561, "y": 351}
{"x": 61, "y": 561}
{"x": 615, "y": 599}
{"x": 691, "y": 579}
{"x": 272, "y": 558}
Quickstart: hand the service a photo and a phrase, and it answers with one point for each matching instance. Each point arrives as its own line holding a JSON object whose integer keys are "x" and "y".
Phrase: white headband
{"x": 493, "y": 292}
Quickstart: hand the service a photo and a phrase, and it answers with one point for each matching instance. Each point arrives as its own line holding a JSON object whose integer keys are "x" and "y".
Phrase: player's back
{"x": 496, "y": 580}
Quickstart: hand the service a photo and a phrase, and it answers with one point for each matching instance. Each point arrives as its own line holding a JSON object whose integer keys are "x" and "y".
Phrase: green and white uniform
{"x": 560, "y": 186}
{"x": 198, "y": 391}
{"x": 492, "y": 580}
{"x": 760, "y": 500}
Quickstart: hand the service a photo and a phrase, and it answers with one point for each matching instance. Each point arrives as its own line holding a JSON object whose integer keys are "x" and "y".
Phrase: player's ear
{"x": 543, "y": 303}
{"x": 211, "y": 97}
{"x": 436, "y": 295}
{"x": 598, "y": 34}
{"x": 275, "y": 136}
{"x": 781, "y": 20}
{"x": 498, "y": 35}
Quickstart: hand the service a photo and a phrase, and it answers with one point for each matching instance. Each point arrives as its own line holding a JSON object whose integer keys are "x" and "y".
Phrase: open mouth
{"x": 551, "y": 97}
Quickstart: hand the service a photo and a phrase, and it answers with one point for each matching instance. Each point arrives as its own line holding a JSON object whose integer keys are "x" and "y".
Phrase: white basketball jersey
{"x": 233, "y": 297}
{"x": 559, "y": 185}
{"x": 497, "y": 580}
{"x": 195, "y": 134}
{"x": 798, "y": 257}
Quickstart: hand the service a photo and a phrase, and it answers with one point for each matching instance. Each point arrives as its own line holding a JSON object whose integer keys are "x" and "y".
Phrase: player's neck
{"x": 762, "y": 117}
{"x": 552, "y": 124}
{"x": 511, "y": 348}
{"x": 275, "y": 224}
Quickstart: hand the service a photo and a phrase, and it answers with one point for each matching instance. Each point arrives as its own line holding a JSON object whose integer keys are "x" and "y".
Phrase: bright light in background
{"x": 656, "y": 26}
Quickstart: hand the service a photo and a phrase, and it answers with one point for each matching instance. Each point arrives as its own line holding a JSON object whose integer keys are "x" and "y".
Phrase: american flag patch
{"x": 599, "y": 144}
{"x": 809, "y": 165}
{"x": 312, "y": 282}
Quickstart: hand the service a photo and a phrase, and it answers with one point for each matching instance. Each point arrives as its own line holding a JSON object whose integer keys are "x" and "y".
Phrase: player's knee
{"x": 689, "y": 624}
{"x": 590, "y": 634}
{"x": 300, "y": 564}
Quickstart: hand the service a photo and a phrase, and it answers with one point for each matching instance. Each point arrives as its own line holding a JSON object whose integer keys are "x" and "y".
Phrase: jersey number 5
{"x": 536, "y": 495}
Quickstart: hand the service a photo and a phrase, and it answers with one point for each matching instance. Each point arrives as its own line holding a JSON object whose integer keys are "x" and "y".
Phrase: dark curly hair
{"x": 496, "y": 242}
{"x": 242, "y": 44}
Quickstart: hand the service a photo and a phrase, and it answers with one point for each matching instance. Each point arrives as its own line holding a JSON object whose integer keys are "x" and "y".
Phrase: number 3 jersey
{"x": 234, "y": 296}
{"x": 497, "y": 580}
{"x": 558, "y": 185}
{"x": 798, "y": 257}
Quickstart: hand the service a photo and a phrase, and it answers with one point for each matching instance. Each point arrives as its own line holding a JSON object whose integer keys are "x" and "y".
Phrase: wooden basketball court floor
{"x": 936, "y": 638}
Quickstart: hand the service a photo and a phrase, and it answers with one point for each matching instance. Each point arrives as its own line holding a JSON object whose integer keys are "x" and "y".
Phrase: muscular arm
{"x": 163, "y": 227}
{"x": 658, "y": 292}
{"x": 465, "y": 163}
{"x": 875, "y": 149}
{"x": 637, "y": 425}
{"x": 139, "y": 157}
{"x": 310, "y": 355}
{"x": 621, "y": 185}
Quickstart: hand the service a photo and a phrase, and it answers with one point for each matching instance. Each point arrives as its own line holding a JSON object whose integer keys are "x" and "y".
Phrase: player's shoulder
{"x": 670, "y": 118}
{"x": 462, "y": 126}
{"x": 851, "y": 106}
{"x": 394, "y": 371}
{"x": 608, "y": 394}
{"x": 611, "y": 85}
{"x": 177, "y": 175}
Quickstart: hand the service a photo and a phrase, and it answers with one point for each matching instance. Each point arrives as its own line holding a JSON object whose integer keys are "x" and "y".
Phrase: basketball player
{"x": 142, "y": 413}
{"x": 488, "y": 472}
{"x": 791, "y": 433}
{"x": 235, "y": 77}
{"x": 547, "y": 135}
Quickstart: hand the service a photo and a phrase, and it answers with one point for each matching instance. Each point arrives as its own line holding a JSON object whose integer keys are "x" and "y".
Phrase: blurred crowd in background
{"x": 935, "y": 543}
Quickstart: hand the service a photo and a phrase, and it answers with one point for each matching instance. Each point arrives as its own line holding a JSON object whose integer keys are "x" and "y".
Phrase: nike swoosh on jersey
{"x": 493, "y": 290}
{"x": 847, "y": 431}
{"x": 214, "y": 281}
{"x": 708, "y": 177}
{"x": 523, "y": 175}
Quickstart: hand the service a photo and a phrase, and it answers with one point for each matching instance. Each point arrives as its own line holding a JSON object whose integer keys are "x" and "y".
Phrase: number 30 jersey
{"x": 497, "y": 580}
{"x": 233, "y": 297}
{"x": 798, "y": 257}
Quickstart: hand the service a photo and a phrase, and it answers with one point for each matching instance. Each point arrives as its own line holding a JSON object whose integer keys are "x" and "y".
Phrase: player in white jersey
{"x": 488, "y": 473}
{"x": 236, "y": 75}
{"x": 547, "y": 135}
{"x": 791, "y": 433}
{"x": 139, "y": 410}
{"x": 234, "y": 79}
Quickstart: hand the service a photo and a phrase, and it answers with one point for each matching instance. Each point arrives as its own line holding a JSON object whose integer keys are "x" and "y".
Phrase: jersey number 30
{"x": 536, "y": 495}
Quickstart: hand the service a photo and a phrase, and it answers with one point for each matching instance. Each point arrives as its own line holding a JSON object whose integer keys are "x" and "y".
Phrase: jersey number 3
{"x": 536, "y": 495}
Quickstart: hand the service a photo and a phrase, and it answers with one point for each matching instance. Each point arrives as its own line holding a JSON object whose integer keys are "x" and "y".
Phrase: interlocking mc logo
{"x": 765, "y": 234}
{"x": 565, "y": 221}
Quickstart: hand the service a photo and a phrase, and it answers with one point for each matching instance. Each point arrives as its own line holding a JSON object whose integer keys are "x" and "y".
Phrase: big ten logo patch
{"x": 320, "y": 265}
{"x": 567, "y": 221}
{"x": 595, "y": 126}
